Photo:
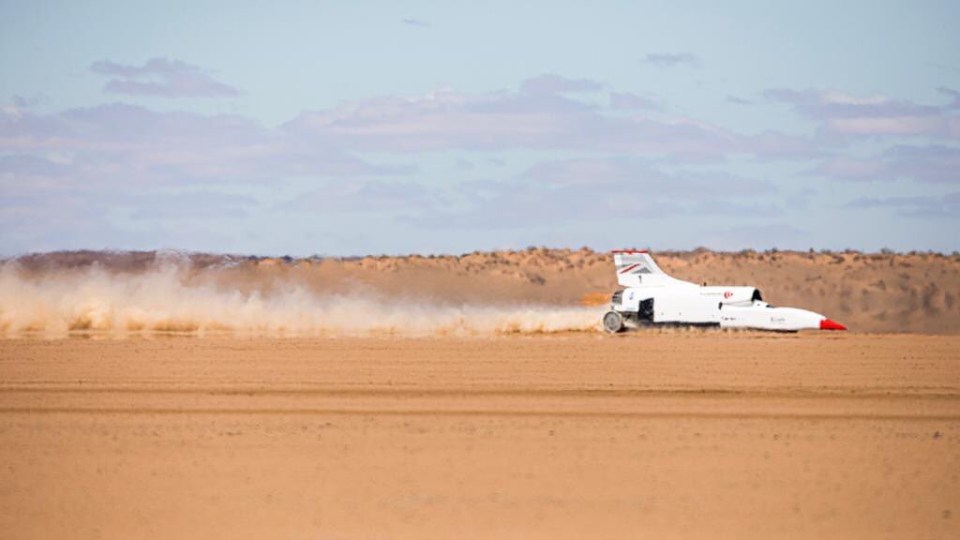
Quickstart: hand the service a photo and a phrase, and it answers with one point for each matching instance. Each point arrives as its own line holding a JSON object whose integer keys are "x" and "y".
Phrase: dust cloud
{"x": 173, "y": 297}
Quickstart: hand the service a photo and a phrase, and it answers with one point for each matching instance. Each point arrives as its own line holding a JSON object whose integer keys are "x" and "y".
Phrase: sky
{"x": 350, "y": 128}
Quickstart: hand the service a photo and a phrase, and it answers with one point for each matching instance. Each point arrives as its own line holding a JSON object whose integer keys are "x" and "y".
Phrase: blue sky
{"x": 374, "y": 127}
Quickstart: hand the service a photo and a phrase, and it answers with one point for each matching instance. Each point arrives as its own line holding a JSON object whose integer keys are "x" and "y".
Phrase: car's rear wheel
{"x": 613, "y": 322}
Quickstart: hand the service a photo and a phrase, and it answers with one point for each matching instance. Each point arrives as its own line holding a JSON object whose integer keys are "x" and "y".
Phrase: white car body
{"x": 651, "y": 297}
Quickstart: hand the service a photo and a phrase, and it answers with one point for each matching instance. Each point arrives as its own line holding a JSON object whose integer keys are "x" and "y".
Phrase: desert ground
{"x": 575, "y": 435}
{"x": 161, "y": 396}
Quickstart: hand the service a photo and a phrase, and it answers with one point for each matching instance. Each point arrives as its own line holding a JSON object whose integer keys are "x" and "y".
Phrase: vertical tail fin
{"x": 633, "y": 265}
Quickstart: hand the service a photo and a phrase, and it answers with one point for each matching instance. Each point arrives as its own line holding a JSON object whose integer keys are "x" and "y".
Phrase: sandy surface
{"x": 681, "y": 434}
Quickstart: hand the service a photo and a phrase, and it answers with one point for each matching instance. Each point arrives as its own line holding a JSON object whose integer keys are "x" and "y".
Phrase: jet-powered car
{"x": 651, "y": 297}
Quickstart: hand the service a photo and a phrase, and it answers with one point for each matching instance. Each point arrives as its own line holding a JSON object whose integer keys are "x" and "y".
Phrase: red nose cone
{"x": 827, "y": 324}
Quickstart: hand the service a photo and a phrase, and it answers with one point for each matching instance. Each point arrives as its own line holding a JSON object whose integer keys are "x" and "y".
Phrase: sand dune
{"x": 533, "y": 290}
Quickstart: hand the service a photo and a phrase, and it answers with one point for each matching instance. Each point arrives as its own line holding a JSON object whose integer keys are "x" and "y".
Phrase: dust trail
{"x": 169, "y": 298}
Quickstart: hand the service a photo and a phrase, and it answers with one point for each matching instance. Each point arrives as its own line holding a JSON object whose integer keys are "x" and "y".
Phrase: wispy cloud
{"x": 769, "y": 235}
{"x": 954, "y": 94}
{"x": 542, "y": 115}
{"x": 31, "y": 101}
{"x": 582, "y": 189}
{"x": 843, "y": 114}
{"x": 419, "y": 23}
{"x": 946, "y": 206}
{"x": 359, "y": 196}
{"x": 550, "y": 83}
{"x": 160, "y": 77}
{"x": 138, "y": 146}
{"x": 935, "y": 163}
{"x": 627, "y": 101}
{"x": 80, "y": 177}
{"x": 188, "y": 205}
{"x": 928, "y": 164}
{"x": 671, "y": 60}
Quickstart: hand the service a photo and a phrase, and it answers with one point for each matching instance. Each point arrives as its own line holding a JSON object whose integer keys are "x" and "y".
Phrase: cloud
{"x": 29, "y": 102}
{"x": 92, "y": 176}
{"x": 738, "y": 100}
{"x": 549, "y": 83}
{"x": 542, "y": 119}
{"x": 852, "y": 168}
{"x": 843, "y": 114}
{"x": 26, "y": 165}
{"x": 946, "y": 206}
{"x": 191, "y": 205}
{"x": 929, "y": 164}
{"x": 955, "y": 104}
{"x": 84, "y": 177}
{"x": 935, "y": 164}
{"x": 769, "y": 235}
{"x": 358, "y": 196}
{"x": 773, "y": 145}
{"x": 410, "y": 21}
{"x": 671, "y": 60}
{"x": 628, "y": 101}
{"x": 160, "y": 77}
{"x": 119, "y": 144}
{"x": 564, "y": 191}
{"x": 632, "y": 175}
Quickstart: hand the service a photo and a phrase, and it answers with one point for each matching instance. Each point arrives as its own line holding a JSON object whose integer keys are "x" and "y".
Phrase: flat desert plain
{"x": 651, "y": 434}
